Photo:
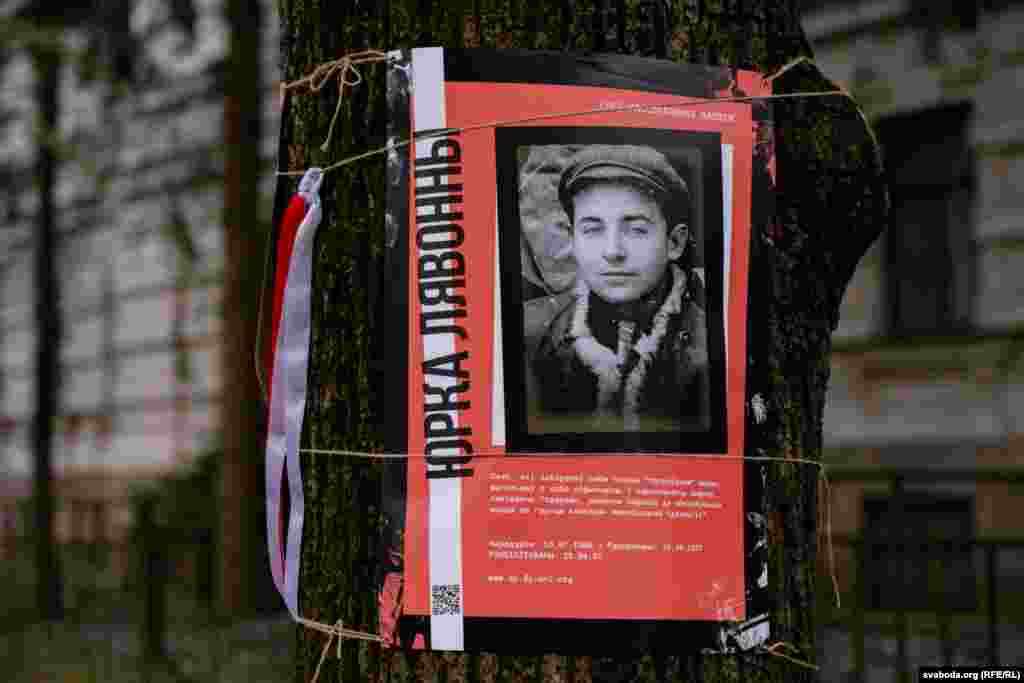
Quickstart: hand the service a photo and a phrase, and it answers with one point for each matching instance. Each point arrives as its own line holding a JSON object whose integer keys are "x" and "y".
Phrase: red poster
{"x": 570, "y": 242}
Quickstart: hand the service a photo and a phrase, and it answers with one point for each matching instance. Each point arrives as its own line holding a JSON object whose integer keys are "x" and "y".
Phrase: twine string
{"x": 787, "y": 66}
{"x": 338, "y": 630}
{"x": 828, "y": 538}
{"x": 444, "y": 132}
{"x": 804, "y": 59}
{"x": 822, "y": 473}
{"x": 774, "y": 650}
{"x": 348, "y": 75}
{"x": 554, "y": 454}
{"x": 335, "y": 634}
{"x": 323, "y": 653}
{"x": 347, "y": 64}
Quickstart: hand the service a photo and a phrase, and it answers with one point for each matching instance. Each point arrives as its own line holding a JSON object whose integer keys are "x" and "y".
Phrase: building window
{"x": 929, "y": 244}
{"x": 918, "y": 553}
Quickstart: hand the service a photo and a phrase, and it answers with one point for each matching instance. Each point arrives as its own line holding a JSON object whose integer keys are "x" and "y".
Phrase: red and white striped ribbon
{"x": 289, "y": 363}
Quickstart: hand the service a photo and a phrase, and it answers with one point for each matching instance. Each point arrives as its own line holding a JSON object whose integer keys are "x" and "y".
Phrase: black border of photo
{"x": 519, "y": 440}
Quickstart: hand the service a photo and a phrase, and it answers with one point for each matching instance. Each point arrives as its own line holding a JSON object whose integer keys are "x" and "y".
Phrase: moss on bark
{"x": 829, "y": 209}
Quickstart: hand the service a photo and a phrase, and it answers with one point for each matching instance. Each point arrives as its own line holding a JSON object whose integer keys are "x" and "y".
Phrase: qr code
{"x": 445, "y": 599}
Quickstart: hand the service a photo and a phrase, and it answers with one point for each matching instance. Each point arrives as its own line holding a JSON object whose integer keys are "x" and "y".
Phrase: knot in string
{"x": 338, "y": 631}
{"x": 348, "y": 75}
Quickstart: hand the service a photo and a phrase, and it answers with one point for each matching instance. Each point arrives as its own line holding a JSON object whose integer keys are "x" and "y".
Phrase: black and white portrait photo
{"x": 620, "y": 271}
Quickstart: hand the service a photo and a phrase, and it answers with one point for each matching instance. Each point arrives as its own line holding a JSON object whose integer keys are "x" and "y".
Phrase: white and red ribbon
{"x": 289, "y": 361}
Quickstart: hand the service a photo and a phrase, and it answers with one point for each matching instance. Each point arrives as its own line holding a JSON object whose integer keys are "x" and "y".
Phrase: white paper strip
{"x": 444, "y": 538}
{"x": 727, "y": 235}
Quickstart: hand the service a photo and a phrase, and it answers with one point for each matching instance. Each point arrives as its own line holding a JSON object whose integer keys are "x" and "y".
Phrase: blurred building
{"x": 924, "y": 425}
{"x": 139, "y": 200}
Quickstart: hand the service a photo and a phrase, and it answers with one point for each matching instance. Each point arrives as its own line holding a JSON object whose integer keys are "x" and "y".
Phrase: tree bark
{"x": 830, "y": 205}
{"x": 244, "y": 578}
{"x": 49, "y": 586}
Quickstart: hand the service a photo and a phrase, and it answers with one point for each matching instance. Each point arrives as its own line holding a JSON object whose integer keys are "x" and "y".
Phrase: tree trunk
{"x": 49, "y": 587}
{"x": 244, "y": 578}
{"x": 829, "y": 208}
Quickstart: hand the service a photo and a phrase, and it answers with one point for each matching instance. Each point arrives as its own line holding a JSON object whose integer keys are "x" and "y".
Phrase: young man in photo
{"x": 626, "y": 348}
